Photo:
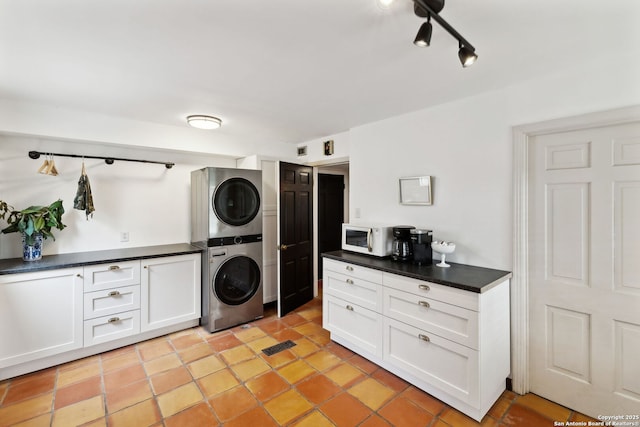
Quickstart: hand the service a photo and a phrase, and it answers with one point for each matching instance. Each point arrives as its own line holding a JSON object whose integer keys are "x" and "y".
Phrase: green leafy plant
{"x": 33, "y": 220}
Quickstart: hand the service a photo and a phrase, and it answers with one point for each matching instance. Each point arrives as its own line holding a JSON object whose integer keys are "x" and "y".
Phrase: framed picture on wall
{"x": 415, "y": 190}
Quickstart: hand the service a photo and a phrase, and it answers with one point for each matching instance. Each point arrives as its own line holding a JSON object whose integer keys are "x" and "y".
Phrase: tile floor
{"x": 194, "y": 378}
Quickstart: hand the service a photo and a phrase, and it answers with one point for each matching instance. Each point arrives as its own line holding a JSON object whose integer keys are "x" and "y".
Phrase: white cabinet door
{"x": 111, "y": 275}
{"x": 353, "y": 289}
{"x": 40, "y": 314}
{"x": 109, "y": 328}
{"x": 354, "y": 324}
{"x": 449, "y": 321}
{"x": 448, "y": 366}
{"x": 111, "y": 301}
{"x": 170, "y": 291}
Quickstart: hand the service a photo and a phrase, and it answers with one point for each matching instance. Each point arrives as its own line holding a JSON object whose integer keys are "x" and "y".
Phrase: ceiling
{"x": 288, "y": 70}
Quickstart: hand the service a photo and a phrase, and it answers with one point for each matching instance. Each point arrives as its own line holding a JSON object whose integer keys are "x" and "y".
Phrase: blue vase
{"x": 32, "y": 247}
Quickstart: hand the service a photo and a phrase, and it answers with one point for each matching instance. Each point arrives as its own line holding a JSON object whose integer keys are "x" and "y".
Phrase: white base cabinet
{"x": 40, "y": 315}
{"x": 452, "y": 343}
{"x": 55, "y": 316}
{"x": 168, "y": 292}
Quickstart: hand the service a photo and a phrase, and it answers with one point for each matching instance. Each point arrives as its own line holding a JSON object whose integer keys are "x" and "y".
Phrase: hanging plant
{"x": 33, "y": 220}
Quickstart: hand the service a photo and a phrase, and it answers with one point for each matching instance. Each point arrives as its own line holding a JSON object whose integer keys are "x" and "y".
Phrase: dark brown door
{"x": 330, "y": 214}
{"x": 296, "y": 236}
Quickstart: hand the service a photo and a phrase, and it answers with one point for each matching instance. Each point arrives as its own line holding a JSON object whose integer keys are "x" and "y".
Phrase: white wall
{"x": 150, "y": 202}
{"x": 315, "y": 150}
{"x": 23, "y": 118}
{"x": 467, "y": 147}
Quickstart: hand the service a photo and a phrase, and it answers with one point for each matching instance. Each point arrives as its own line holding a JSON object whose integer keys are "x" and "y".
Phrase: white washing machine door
{"x": 236, "y": 280}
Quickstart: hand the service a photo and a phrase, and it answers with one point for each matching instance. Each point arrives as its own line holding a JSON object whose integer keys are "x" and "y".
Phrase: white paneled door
{"x": 584, "y": 278}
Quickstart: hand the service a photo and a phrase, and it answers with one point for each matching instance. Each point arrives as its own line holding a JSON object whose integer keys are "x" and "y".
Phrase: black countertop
{"x": 461, "y": 276}
{"x": 52, "y": 262}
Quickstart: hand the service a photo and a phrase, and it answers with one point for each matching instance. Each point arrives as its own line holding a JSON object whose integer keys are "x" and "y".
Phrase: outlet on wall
{"x": 124, "y": 236}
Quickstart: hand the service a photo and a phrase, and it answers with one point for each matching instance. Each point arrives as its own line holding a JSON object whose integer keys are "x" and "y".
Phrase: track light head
{"x": 467, "y": 56}
{"x": 423, "y": 38}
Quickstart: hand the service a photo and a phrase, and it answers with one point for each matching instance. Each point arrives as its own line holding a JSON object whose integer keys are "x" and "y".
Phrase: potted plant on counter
{"x": 35, "y": 224}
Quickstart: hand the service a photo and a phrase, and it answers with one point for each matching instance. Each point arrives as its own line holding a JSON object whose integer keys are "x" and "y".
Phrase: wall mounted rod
{"x": 107, "y": 160}
{"x": 444, "y": 24}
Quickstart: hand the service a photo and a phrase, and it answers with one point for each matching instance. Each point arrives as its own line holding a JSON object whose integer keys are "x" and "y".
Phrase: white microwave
{"x": 376, "y": 240}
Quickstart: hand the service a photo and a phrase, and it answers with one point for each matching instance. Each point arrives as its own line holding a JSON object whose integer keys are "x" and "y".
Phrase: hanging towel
{"x": 84, "y": 200}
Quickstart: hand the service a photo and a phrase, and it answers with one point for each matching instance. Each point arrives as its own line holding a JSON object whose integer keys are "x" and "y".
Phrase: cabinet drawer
{"x": 110, "y": 301}
{"x": 353, "y": 270}
{"x": 450, "y": 295}
{"x": 449, "y": 321}
{"x": 355, "y": 324}
{"x": 113, "y": 275}
{"x": 108, "y": 328}
{"x": 450, "y": 367}
{"x": 361, "y": 292}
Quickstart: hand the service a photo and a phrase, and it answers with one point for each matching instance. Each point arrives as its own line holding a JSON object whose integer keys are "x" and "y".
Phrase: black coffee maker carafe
{"x": 402, "y": 247}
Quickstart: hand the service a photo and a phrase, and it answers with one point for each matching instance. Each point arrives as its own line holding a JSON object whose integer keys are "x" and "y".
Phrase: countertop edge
{"x": 499, "y": 276}
{"x": 79, "y": 259}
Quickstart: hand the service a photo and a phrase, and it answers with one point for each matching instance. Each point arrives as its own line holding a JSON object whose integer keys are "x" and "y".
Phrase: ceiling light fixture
{"x": 467, "y": 56}
{"x": 204, "y": 122}
{"x": 423, "y": 38}
{"x": 384, "y": 4}
{"x": 431, "y": 8}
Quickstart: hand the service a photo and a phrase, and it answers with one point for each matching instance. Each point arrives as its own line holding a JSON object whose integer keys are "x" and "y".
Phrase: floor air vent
{"x": 270, "y": 351}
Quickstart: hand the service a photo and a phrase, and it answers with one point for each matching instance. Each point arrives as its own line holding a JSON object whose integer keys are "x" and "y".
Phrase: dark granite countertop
{"x": 52, "y": 262}
{"x": 461, "y": 276}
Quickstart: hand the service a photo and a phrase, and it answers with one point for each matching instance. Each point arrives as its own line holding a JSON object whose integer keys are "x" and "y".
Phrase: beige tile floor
{"x": 194, "y": 378}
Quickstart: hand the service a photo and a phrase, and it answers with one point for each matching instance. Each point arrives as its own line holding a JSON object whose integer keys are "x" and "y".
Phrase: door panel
{"x": 296, "y": 237}
{"x": 626, "y": 251}
{"x": 584, "y": 277}
{"x": 568, "y": 233}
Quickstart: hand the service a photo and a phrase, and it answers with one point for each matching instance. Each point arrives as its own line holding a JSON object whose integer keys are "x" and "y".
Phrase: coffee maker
{"x": 421, "y": 243}
{"x": 402, "y": 248}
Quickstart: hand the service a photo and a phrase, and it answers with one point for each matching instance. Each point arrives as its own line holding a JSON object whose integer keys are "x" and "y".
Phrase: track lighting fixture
{"x": 431, "y": 8}
{"x": 467, "y": 56}
{"x": 423, "y": 38}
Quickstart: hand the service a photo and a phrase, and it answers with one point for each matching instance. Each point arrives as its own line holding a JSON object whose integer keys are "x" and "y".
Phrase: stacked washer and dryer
{"x": 226, "y": 221}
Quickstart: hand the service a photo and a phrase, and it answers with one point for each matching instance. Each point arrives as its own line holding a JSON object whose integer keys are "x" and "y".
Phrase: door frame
{"x": 521, "y": 177}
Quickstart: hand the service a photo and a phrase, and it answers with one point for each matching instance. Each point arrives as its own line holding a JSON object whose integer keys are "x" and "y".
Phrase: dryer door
{"x": 237, "y": 280}
{"x": 236, "y": 201}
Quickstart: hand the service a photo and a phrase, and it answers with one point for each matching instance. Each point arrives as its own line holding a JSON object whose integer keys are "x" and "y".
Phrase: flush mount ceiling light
{"x": 204, "y": 122}
{"x": 431, "y": 8}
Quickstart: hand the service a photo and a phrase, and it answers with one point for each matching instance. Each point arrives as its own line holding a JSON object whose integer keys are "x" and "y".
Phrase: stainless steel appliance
{"x": 402, "y": 247}
{"x": 376, "y": 240}
{"x": 232, "y": 292}
{"x": 226, "y": 219}
{"x": 225, "y": 202}
{"x": 421, "y": 241}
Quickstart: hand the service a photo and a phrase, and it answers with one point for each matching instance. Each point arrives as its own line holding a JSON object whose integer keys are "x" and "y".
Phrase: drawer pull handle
{"x": 424, "y": 337}
{"x": 349, "y": 282}
{"x": 424, "y": 304}
{"x": 114, "y": 267}
{"x": 349, "y": 268}
{"x": 113, "y": 293}
{"x": 349, "y": 307}
{"x": 79, "y": 275}
{"x": 114, "y": 320}
{"x": 424, "y": 287}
